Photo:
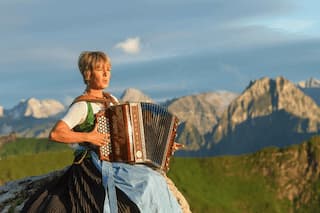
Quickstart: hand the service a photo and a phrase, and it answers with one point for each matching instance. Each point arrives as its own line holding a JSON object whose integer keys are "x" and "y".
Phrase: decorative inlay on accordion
{"x": 139, "y": 133}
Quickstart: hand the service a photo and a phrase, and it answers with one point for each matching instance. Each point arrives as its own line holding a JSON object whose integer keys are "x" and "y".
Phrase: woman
{"x": 91, "y": 185}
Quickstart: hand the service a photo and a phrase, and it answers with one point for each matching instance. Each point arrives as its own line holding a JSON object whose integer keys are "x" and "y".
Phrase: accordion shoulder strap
{"x": 106, "y": 100}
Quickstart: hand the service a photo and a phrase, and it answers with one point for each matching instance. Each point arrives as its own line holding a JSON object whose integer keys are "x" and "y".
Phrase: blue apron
{"x": 144, "y": 186}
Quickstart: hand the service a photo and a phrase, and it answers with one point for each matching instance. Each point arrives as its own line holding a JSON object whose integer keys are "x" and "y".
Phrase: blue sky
{"x": 165, "y": 48}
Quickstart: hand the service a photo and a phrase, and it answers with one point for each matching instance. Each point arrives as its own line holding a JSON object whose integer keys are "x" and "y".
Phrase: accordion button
{"x": 139, "y": 154}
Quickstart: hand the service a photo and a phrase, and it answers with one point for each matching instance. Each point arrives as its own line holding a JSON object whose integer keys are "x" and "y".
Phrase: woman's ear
{"x": 87, "y": 75}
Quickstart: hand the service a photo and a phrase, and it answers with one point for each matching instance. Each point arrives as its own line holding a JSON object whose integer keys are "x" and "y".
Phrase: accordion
{"x": 139, "y": 133}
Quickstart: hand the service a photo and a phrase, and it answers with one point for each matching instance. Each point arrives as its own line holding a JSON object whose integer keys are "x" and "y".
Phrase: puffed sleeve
{"x": 76, "y": 114}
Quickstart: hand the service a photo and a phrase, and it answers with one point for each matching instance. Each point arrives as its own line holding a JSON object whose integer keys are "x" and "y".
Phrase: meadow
{"x": 215, "y": 184}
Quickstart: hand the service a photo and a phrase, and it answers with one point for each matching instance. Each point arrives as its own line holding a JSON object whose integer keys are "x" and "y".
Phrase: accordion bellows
{"x": 139, "y": 133}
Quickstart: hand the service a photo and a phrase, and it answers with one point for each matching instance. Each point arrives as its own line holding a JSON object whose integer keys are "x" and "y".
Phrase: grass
{"x": 223, "y": 185}
{"x": 217, "y": 184}
{"x": 30, "y": 157}
{"x": 25, "y": 146}
{"x": 209, "y": 184}
{"x": 33, "y": 164}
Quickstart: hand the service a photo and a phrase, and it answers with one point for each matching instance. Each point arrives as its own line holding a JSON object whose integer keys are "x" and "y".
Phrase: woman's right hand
{"x": 97, "y": 138}
{"x": 62, "y": 133}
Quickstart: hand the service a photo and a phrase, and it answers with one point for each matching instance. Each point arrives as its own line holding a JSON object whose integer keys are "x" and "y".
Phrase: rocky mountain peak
{"x": 33, "y": 107}
{"x": 311, "y": 87}
{"x": 135, "y": 95}
{"x": 201, "y": 110}
{"x": 264, "y": 97}
{"x": 310, "y": 83}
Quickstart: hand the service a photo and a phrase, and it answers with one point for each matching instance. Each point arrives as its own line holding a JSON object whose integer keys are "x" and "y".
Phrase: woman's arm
{"x": 62, "y": 133}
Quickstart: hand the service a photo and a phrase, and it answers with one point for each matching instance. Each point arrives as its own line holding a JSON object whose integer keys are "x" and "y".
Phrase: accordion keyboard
{"x": 104, "y": 127}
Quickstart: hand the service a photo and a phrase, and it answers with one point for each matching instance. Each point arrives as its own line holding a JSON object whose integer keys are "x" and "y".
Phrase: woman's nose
{"x": 106, "y": 72}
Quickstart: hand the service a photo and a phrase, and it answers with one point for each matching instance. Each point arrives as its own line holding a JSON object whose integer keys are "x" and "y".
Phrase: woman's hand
{"x": 62, "y": 133}
{"x": 176, "y": 146}
{"x": 97, "y": 138}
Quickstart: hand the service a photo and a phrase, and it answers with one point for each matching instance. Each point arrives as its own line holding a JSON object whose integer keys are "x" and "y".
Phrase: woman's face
{"x": 100, "y": 76}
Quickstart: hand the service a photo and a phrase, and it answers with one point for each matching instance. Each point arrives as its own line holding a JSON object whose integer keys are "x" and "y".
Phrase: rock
{"x": 14, "y": 194}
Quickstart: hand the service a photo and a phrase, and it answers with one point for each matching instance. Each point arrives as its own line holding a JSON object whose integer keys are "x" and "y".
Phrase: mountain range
{"x": 269, "y": 112}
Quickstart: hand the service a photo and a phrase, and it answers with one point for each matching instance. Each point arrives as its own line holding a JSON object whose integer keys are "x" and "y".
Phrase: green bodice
{"x": 88, "y": 124}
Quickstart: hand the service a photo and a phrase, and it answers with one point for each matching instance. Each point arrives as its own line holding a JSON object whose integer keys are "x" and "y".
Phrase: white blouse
{"x": 78, "y": 112}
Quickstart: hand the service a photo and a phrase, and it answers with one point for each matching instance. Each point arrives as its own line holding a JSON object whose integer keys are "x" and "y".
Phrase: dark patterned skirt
{"x": 78, "y": 190}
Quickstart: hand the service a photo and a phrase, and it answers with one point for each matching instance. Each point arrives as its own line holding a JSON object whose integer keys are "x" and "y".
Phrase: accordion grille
{"x": 157, "y": 124}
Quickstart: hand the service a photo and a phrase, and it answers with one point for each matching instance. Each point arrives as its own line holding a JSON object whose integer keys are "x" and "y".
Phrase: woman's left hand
{"x": 176, "y": 146}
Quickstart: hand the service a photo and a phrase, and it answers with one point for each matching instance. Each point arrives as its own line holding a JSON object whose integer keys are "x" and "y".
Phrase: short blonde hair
{"x": 88, "y": 60}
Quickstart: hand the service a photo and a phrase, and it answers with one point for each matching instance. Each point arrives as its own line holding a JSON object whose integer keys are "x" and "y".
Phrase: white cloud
{"x": 130, "y": 45}
{"x": 289, "y": 25}
{"x": 293, "y": 25}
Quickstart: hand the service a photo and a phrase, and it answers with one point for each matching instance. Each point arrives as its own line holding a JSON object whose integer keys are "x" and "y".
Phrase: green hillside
{"x": 25, "y": 146}
{"x": 271, "y": 180}
{"x": 224, "y": 184}
{"x": 29, "y": 157}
